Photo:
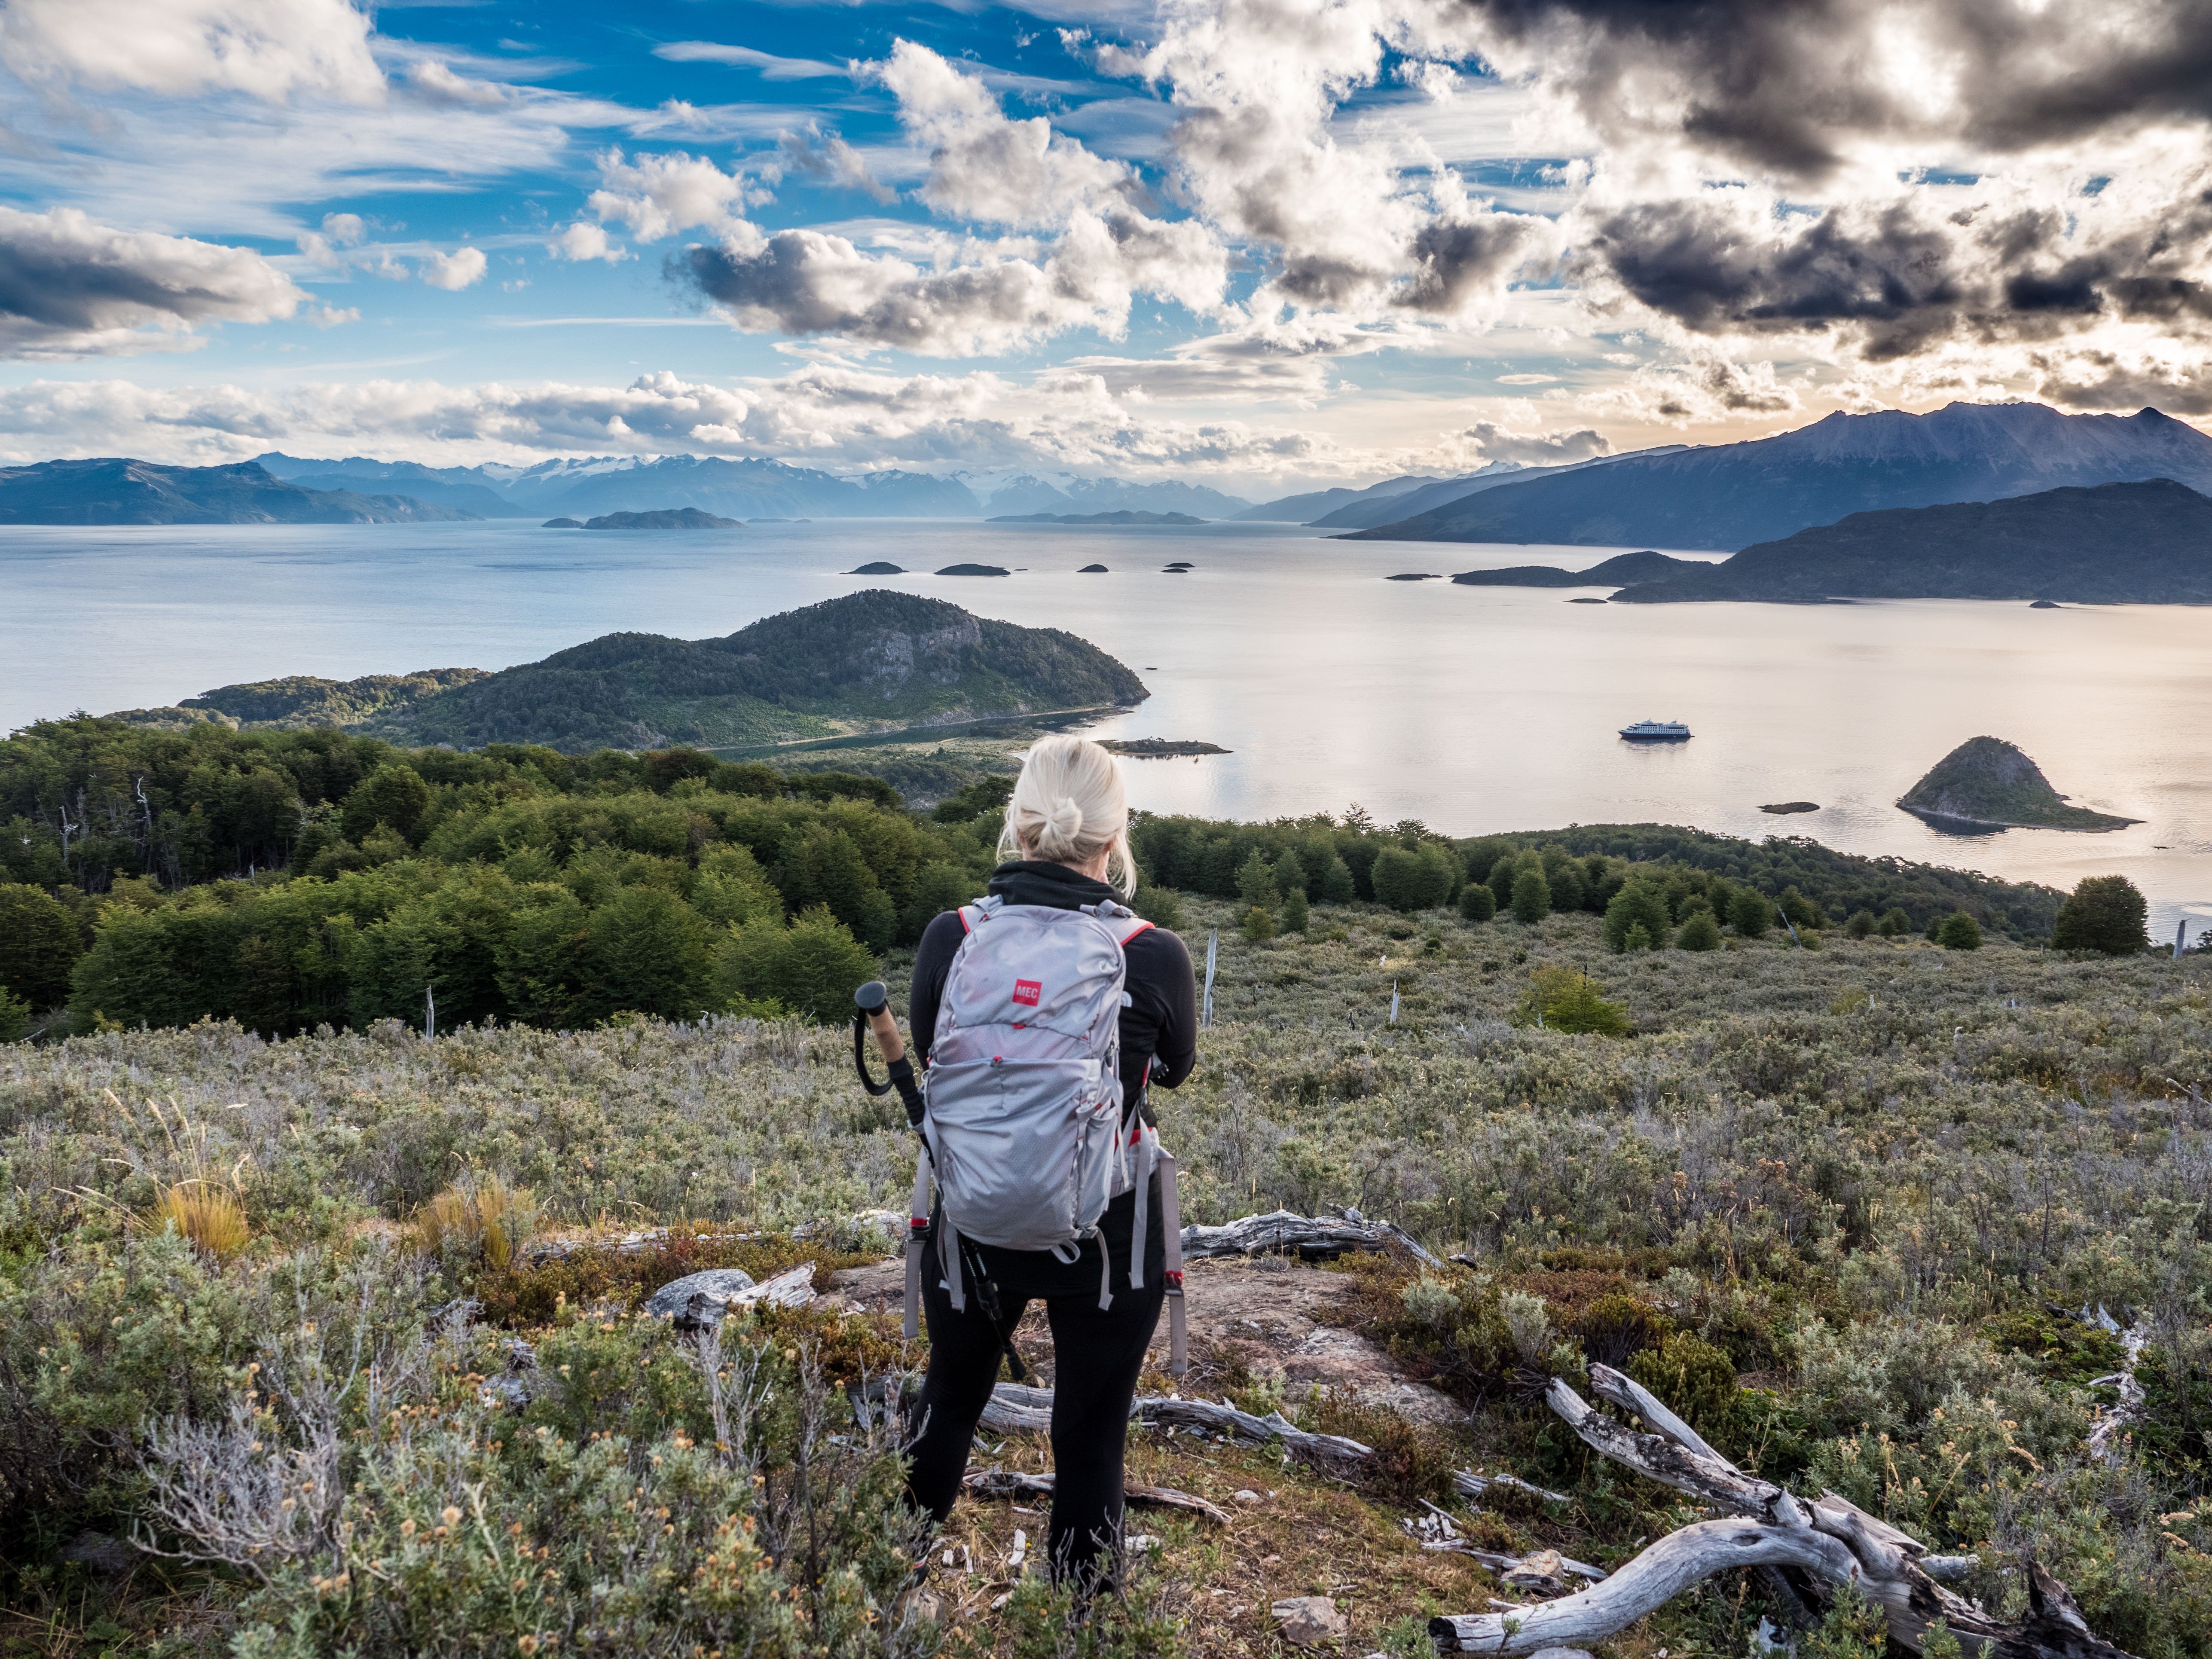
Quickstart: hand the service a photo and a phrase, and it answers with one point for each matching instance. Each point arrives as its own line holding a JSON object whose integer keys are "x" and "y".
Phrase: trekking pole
{"x": 871, "y": 1013}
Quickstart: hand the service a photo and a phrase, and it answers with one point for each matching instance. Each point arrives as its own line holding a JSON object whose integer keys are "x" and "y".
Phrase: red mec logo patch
{"x": 1027, "y": 991}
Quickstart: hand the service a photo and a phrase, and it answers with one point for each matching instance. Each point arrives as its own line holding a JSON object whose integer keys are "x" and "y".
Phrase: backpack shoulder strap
{"x": 1124, "y": 938}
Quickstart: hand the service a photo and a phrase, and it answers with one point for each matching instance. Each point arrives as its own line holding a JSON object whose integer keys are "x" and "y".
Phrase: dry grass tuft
{"x": 209, "y": 1215}
{"x": 480, "y": 1217}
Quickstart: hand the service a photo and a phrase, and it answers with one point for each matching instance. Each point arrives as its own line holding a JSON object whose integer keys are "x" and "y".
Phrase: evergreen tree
{"x": 14, "y": 1017}
{"x": 1563, "y": 876}
{"x": 937, "y": 888}
{"x": 811, "y": 967}
{"x": 1640, "y": 903}
{"x": 1476, "y": 902}
{"x": 1861, "y": 925}
{"x": 731, "y": 887}
{"x": 650, "y": 953}
{"x": 2103, "y": 913}
{"x": 1503, "y": 874}
{"x": 39, "y": 946}
{"x": 1294, "y": 910}
{"x": 1259, "y": 924}
{"x": 1800, "y": 910}
{"x": 1532, "y": 899}
{"x": 1290, "y": 876}
{"x": 1959, "y": 932}
{"x": 1337, "y": 885}
{"x": 540, "y": 963}
{"x": 1639, "y": 938}
{"x": 1256, "y": 883}
{"x": 1894, "y": 923}
{"x": 1751, "y": 912}
{"x": 393, "y": 795}
{"x": 1700, "y": 933}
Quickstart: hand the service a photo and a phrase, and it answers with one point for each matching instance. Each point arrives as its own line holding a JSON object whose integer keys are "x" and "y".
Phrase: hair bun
{"x": 1063, "y": 825}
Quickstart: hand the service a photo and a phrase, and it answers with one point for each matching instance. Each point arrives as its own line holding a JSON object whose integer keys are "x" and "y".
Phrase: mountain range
{"x": 867, "y": 661}
{"x": 1731, "y": 496}
{"x": 587, "y": 487}
{"x": 117, "y": 491}
{"x": 2119, "y": 543}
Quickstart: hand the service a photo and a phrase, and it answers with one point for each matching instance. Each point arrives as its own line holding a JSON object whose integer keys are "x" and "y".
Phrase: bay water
{"x": 1472, "y": 710}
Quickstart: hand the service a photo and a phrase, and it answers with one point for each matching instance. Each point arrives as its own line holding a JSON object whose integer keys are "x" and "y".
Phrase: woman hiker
{"x": 1065, "y": 846}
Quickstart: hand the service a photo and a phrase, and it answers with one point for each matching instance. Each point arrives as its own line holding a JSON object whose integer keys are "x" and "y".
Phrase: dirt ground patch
{"x": 1250, "y": 1322}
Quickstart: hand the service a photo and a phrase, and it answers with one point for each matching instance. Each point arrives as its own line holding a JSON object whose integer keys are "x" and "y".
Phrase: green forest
{"x": 295, "y": 879}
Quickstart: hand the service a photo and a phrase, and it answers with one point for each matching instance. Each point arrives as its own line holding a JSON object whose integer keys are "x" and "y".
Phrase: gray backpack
{"x": 1024, "y": 1125}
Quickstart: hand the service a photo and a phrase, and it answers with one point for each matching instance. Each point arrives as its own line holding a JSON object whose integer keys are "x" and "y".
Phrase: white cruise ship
{"x": 1657, "y": 732}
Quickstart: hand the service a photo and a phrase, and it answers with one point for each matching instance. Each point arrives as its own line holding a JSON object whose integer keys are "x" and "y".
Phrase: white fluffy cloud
{"x": 823, "y": 413}
{"x": 454, "y": 271}
{"x": 581, "y": 241}
{"x": 1080, "y": 248}
{"x": 71, "y": 288}
{"x": 657, "y": 196}
{"x": 267, "y": 49}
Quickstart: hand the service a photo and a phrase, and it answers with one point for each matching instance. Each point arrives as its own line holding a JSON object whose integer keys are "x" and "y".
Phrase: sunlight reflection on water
{"x": 1472, "y": 709}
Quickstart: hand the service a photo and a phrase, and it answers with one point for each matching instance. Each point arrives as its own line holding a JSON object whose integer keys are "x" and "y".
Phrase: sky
{"x": 1265, "y": 244}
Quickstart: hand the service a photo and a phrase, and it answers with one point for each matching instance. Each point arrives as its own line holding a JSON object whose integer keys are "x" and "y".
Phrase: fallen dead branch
{"x": 1010, "y": 1483}
{"x": 1282, "y": 1232}
{"x": 1017, "y": 1409}
{"x": 1813, "y": 1544}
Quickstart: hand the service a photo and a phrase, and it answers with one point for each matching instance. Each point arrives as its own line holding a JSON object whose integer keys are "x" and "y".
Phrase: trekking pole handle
{"x": 874, "y": 1000}
{"x": 871, "y": 1010}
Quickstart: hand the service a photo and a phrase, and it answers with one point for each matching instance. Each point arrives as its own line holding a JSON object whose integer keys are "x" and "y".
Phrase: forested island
{"x": 868, "y": 660}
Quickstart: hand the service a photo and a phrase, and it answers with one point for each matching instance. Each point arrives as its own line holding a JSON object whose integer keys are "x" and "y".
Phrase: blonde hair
{"x": 1068, "y": 805}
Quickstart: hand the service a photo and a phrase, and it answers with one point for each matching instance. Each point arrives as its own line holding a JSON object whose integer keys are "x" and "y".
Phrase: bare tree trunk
{"x": 1826, "y": 1542}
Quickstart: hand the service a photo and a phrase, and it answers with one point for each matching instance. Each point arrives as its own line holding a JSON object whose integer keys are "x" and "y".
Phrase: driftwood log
{"x": 1283, "y": 1232}
{"x": 1011, "y": 1483}
{"x": 1813, "y": 1544}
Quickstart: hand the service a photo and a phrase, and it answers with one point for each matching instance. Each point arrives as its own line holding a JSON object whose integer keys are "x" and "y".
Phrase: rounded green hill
{"x": 1986, "y": 783}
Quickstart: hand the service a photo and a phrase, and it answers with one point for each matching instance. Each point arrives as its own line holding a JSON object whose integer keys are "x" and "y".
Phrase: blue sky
{"x": 1262, "y": 243}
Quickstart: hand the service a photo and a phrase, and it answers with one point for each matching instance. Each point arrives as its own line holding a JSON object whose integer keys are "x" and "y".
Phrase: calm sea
{"x": 1473, "y": 709}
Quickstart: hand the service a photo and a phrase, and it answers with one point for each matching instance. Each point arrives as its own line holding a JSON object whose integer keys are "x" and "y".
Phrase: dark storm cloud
{"x": 1455, "y": 260}
{"x": 1897, "y": 278}
{"x": 1787, "y": 87}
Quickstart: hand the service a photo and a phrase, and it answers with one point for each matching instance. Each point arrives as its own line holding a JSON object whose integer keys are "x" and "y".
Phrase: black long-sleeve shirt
{"x": 1159, "y": 1030}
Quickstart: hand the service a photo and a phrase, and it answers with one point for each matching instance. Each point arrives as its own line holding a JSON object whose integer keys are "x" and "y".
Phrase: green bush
{"x": 1751, "y": 913}
{"x": 1258, "y": 925}
{"x": 1894, "y": 924}
{"x": 1959, "y": 932}
{"x": 1562, "y": 999}
{"x": 1159, "y": 906}
{"x": 812, "y": 966}
{"x": 1532, "y": 897}
{"x": 1416, "y": 878}
{"x": 2103, "y": 913}
{"x": 1861, "y": 925}
{"x": 1294, "y": 910}
{"x": 1700, "y": 933}
{"x": 1477, "y": 903}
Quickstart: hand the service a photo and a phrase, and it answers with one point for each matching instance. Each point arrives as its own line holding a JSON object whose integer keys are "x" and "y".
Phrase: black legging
{"x": 1098, "y": 1354}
